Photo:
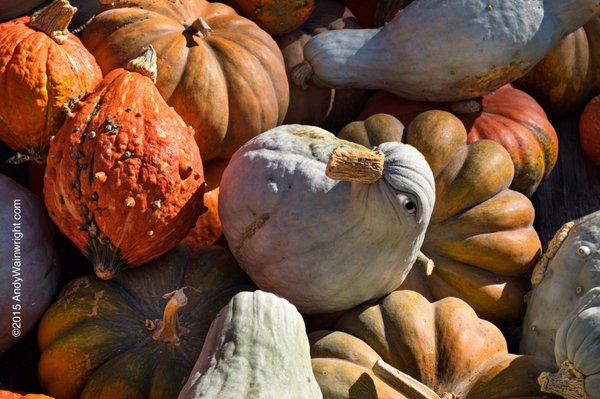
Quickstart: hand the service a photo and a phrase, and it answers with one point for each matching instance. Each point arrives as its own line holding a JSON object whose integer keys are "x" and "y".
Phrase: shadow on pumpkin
{"x": 363, "y": 388}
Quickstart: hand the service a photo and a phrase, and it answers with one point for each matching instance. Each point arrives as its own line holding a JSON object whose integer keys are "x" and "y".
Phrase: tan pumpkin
{"x": 508, "y": 116}
{"x": 44, "y": 71}
{"x": 315, "y": 105}
{"x": 223, "y": 74}
{"x": 403, "y": 346}
{"x": 481, "y": 236}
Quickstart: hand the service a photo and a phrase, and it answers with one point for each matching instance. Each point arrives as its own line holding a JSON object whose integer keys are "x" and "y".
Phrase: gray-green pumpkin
{"x": 326, "y": 241}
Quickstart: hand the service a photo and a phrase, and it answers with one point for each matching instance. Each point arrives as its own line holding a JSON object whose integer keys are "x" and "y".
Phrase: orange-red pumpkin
{"x": 15, "y": 395}
{"x": 508, "y": 116}
{"x": 44, "y": 70}
{"x": 223, "y": 74}
{"x": 589, "y": 130}
{"x": 124, "y": 178}
{"x": 276, "y": 17}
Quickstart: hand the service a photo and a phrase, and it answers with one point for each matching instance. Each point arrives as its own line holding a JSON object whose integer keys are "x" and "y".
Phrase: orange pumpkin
{"x": 15, "y": 395}
{"x": 44, "y": 70}
{"x": 589, "y": 130}
{"x": 508, "y": 116}
{"x": 276, "y": 17}
{"x": 223, "y": 74}
{"x": 124, "y": 178}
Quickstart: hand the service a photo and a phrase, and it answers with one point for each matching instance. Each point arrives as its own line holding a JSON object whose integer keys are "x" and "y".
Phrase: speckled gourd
{"x": 326, "y": 241}
{"x": 569, "y": 268}
{"x": 256, "y": 347}
{"x": 439, "y": 50}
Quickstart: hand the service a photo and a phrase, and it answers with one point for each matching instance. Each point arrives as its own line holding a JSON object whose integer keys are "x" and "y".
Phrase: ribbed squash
{"x": 138, "y": 335}
{"x": 44, "y": 71}
{"x": 481, "y": 236}
{"x": 403, "y": 346}
{"x": 508, "y": 116}
{"x": 124, "y": 178}
{"x": 223, "y": 74}
{"x": 569, "y": 75}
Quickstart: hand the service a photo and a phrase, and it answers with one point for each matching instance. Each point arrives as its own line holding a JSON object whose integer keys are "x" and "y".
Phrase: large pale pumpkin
{"x": 255, "y": 348}
{"x": 569, "y": 268}
{"x": 124, "y": 178}
{"x": 139, "y": 334}
{"x": 28, "y": 262}
{"x": 223, "y": 74}
{"x": 508, "y": 116}
{"x": 569, "y": 74}
{"x": 481, "y": 236}
{"x": 314, "y": 105}
{"x": 403, "y": 346}
{"x": 44, "y": 71}
{"x": 326, "y": 241}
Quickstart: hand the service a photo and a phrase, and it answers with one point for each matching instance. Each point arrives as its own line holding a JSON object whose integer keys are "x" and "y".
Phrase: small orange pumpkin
{"x": 589, "y": 130}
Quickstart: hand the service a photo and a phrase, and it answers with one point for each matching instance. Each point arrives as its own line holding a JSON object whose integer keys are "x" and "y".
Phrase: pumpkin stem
{"x": 540, "y": 268}
{"x": 199, "y": 28}
{"x": 105, "y": 257}
{"x": 54, "y": 20}
{"x": 465, "y": 107}
{"x": 408, "y": 386}
{"x": 145, "y": 63}
{"x": 567, "y": 382}
{"x": 166, "y": 330}
{"x": 301, "y": 74}
{"x": 426, "y": 263}
{"x": 362, "y": 166}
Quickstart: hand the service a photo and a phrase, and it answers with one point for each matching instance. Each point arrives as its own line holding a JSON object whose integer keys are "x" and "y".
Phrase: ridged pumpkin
{"x": 223, "y": 74}
{"x": 481, "y": 236}
{"x": 14, "y": 395}
{"x": 124, "y": 178}
{"x": 208, "y": 227}
{"x": 508, "y": 116}
{"x": 44, "y": 71}
{"x": 569, "y": 75}
{"x": 403, "y": 346}
{"x": 276, "y": 17}
{"x": 140, "y": 334}
{"x": 315, "y": 105}
{"x": 589, "y": 130}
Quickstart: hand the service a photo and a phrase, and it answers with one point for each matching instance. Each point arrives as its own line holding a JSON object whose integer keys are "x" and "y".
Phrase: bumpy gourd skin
{"x": 344, "y": 242}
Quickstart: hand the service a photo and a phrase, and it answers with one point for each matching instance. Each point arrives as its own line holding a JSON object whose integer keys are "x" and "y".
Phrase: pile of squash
{"x": 295, "y": 199}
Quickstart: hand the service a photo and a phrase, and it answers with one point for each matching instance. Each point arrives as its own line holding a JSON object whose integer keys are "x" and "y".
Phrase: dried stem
{"x": 145, "y": 63}
{"x": 362, "y": 166}
{"x": 403, "y": 383}
{"x": 567, "y": 382}
{"x": 54, "y": 20}
{"x": 166, "y": 330}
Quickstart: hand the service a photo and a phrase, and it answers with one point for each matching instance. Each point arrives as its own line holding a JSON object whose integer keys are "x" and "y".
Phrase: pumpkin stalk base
{"x": 168, "y": 329}
{"x": 107, "y": 259}
{"x": 408, "y": 386}
{"x": 145, "y": 63}
{"x": 54, "y": 20}
{"x": 567, "y": 382}
{"x": 426, "y": 263}
{"x": 301, "y": 74}
{"x": 355, "y": 165}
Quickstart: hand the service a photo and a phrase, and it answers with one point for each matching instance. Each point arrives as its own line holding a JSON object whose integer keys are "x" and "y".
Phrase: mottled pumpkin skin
{"x": 327, "y": 108}
{"x": 94, "y": 339}
{"x": 40, "y": 77}
{"x": 589, "y": 130}
{"x": 229, "y": 83}
{"x": 569, "y": 75}
{"x": 508, "y": 116}
{"x": 276, "y": 17}
{"x": 443, "y": 345}
{"x": 124, "y": 178}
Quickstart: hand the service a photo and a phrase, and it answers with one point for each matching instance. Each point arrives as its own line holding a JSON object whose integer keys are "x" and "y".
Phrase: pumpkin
{"x": 271, "y": 357}
{"x": 124, "y": 178}
{"x": 276, "y": 17}
{"x": 15, "y": 8}
{"x": 440, "y": 51}
{"x": 208, "y": 226}
{"x": 27, "y": 261}
{"x": 314, "y": 105}
{"x": 404, "y": 346}
{"x": 139, "y": 334}
{"x": 577, "y": 351}
{"x": 481, "y": 237}
{"x": 44, "y": 70}
{"x": 375, "y": 13}
{"x": 569, "y": 268}
{"x": 589, "y": 130}
{"x": 15, "y": 395}
{"x": 223, "y": 74}
{"x": 508, "y": 115}
{"x": 567, "y": 77}
{"x": 325, "y": 241}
